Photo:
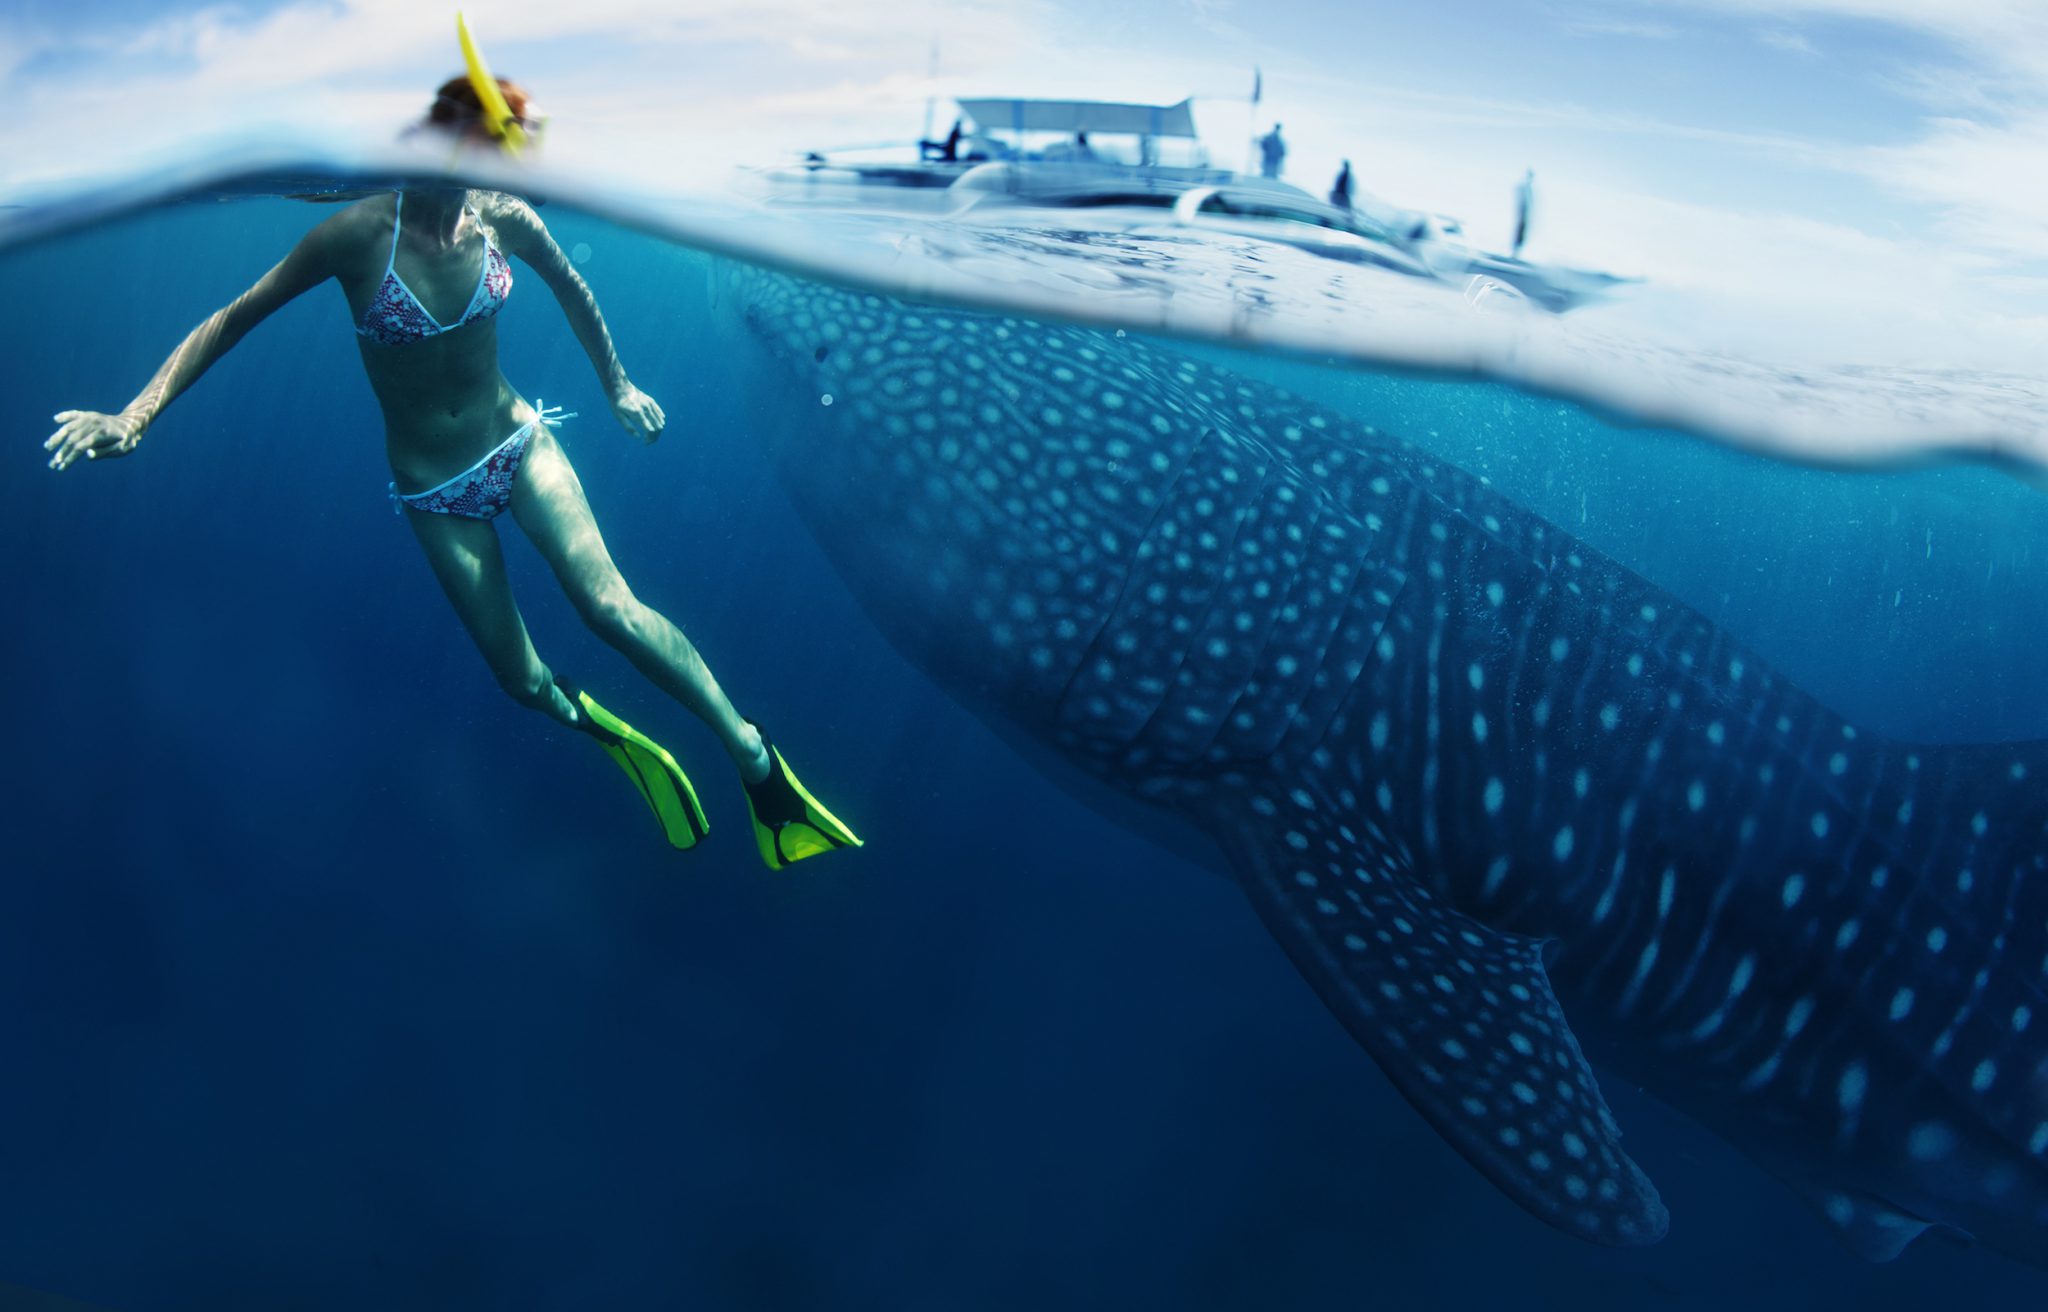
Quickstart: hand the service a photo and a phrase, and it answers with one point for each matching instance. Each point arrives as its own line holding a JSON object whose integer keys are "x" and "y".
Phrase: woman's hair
{"x": 456, "y": 107}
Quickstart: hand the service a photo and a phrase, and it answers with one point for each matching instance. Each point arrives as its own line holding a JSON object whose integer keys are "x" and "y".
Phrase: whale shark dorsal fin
{"x": 1459, "y": 1016}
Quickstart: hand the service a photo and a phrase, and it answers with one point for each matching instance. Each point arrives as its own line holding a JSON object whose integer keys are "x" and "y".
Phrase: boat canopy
{"x": 1082, "y": 116}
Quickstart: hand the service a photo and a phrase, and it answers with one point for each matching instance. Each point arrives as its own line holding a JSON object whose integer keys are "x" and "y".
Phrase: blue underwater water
{"x": 330, "y": 979}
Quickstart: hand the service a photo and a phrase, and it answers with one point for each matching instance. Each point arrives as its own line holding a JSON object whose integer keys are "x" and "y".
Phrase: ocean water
{"x": 329, "y": 979}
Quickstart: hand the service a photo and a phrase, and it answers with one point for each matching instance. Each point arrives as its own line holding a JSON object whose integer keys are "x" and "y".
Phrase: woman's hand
{"x": 638, "y": 412}
{"x": 94, "y": 436}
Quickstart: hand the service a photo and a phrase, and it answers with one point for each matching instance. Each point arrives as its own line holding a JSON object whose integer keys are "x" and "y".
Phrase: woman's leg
{"x": 470, "y": 564}
{"x": 549, "y": 504}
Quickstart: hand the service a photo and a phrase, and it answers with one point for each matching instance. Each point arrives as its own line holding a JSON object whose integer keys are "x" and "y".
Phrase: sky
{"x": 1865, "y": 169}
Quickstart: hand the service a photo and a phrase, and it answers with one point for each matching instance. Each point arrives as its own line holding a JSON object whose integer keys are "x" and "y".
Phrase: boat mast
{"x": 1251, "y": 116}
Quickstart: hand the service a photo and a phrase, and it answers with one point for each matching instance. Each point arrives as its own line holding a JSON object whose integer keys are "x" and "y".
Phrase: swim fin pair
{"x": 789, "y": 823}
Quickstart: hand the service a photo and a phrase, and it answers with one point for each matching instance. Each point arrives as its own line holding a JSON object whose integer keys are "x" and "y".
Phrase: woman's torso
{"x": 429, "y": 336}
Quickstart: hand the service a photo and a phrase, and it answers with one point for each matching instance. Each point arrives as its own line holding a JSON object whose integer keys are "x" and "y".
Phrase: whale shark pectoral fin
{"x": 1459, "y": 1016}
{"x": 1867, "y": 1226}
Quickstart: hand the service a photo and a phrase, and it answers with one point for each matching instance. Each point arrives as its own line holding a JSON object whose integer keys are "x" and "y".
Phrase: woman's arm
{"x": 521, "y": 232}
{"x": 92, "y": 435}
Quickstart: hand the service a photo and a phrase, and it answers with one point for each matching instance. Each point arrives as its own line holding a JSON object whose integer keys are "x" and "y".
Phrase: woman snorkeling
{"x": 425, "y": 271}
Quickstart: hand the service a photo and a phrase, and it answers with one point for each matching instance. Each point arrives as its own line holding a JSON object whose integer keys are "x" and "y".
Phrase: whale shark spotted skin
{"x": 1476, "y": 778}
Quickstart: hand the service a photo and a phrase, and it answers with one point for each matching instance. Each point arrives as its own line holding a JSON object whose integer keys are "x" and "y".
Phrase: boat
{"x": 1146, "y": 146}
{"x": 1080, "y": 153}
{"x": 1099, "y": 154}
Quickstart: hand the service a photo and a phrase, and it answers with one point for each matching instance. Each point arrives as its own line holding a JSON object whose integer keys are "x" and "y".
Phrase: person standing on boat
{"x": 1525, "y": 202}
{"x": 1272, "y": 153}
{"x": 944, "y": 152}
{"x": 1340, "y": 190}
{"x": 425, "y": 271}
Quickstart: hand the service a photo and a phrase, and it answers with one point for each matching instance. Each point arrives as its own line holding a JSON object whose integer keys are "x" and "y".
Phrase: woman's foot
{"x": 789, "y": 823}
{"x": 563, "y": 707}
{"x": 654, "y": 772}
{"x": 752, "y": 754}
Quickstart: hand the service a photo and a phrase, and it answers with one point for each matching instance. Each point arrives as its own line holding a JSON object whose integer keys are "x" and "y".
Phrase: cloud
{"x": 1509, "y": 127}
{"x": 366, "y": 67}
{"x": 1987, "y": 182}
{"x": 1781, "y": 38}
{"x": 1592, "y": 25}
{"x": 1948, "y": 89}
{"x": 2008, "y": 36}
{"x": 1975, "y": 164}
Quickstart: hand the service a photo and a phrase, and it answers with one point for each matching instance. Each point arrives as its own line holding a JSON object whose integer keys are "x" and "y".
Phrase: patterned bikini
{"x": 395, "y": 317}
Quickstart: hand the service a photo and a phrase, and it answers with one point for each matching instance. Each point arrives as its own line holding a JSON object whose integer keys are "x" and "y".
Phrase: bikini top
{"x": 395, "y": 316}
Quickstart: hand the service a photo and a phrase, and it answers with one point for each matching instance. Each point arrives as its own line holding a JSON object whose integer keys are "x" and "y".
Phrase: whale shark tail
{"x": 1459, "y": 1016}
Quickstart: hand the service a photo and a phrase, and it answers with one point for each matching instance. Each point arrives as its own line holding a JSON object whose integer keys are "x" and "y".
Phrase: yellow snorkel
{"x": 499, "y": 120}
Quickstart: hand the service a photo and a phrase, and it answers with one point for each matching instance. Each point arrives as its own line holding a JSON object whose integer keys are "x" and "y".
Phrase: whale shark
{"x": 1514, "y": 812}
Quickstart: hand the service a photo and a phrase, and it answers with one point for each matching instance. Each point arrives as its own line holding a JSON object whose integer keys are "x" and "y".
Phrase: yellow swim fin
{"x": 789, "y": 823}
{"x": 653, "y": 771}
